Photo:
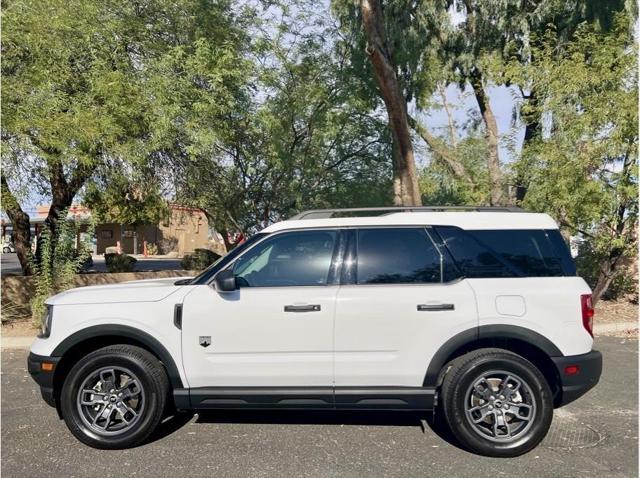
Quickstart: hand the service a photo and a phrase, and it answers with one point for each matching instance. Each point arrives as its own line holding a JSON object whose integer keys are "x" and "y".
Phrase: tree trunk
{"x": 405, "y": 181}
{"x": 442, "y": 151}
{"x": 62, "y": 194}
{"x": 531, "y": 131}
{"x": 21, "y": 227}
{"x": 608, "y": 272}
{"x": 491, "y": 134}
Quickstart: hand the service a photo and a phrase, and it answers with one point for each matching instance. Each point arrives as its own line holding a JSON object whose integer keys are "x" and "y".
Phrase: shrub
{"x": 152, "y": 249}
{"x": 58, "y": 263}
{"x": 200, "y": 259}
{"x": 119, "y": 262}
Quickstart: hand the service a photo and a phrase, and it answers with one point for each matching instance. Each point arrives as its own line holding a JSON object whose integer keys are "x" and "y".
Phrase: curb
{"x": 614, "y": 327}
{"x": 17, "y": 342}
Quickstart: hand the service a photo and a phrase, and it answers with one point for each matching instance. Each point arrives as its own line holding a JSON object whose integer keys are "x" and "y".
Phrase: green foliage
{"x": 120, "y": 263}
{"x": 152, "y": 249}
{"x": 200, "y": 259}
{"x": 440, "y": 186}
{"x": 304, "y": 140}
{"x": 624, "y": 283}
{"x": 125, "y": 200}
{"x": 55, "y": 273}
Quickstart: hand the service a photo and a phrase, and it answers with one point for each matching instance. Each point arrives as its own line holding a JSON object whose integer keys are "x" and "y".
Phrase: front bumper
{"x": 43, "y": 377}
{"x": 578, "y": 374}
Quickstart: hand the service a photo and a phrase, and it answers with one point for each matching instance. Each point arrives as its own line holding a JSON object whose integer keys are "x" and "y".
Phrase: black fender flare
{"x": 117, "y": 330}
{"x": 482, "y": 333}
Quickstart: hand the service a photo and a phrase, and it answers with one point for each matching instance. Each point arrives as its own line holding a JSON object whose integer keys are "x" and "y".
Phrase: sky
{"x": 503, "y": 101}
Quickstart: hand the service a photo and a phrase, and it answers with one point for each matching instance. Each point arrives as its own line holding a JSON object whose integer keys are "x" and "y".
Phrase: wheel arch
{"x": 93, "y": 338}
{"x": 525, "y": 342}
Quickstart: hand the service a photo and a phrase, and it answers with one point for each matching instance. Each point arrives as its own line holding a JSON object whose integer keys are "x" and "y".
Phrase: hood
{"x": 147, "y": 290}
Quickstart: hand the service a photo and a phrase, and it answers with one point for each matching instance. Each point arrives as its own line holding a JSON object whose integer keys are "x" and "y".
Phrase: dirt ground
{"x": 616, "y": 311}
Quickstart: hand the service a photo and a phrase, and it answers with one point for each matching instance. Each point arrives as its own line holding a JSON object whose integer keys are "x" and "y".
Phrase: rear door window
{"x": 474, "y": 259}
{"x": 397, "y": 256}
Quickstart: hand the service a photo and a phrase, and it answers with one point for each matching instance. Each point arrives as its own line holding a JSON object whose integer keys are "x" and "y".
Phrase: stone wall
{"x": 17, "y": 291}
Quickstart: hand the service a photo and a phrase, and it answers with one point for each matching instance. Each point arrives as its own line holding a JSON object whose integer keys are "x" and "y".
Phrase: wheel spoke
{"x": 517, "y": 412}
{"x": 130, "y": 389}
{"x": 510, "y": 390}
{"x": 123, "y": 409}
{"x": 108, "y": 377}
{"x": 482, "y": 388}
{"x": 92, "y": 401}
{"x": 484, "y": 412}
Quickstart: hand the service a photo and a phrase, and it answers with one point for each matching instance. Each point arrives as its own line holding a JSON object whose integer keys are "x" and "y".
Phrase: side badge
{"x": 205, "y": 340}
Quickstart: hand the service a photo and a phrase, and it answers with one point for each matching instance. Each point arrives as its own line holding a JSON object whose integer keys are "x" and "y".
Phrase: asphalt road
{"x": 9, "y": 263}
{"x": 596, "y": 436}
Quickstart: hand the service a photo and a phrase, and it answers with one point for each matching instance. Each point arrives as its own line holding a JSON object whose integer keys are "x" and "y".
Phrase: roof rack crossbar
{"x": 328, "y": 213}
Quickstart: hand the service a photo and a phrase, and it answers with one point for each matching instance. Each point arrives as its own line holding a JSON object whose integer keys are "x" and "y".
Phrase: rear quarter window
{"x": 508, "y": 253}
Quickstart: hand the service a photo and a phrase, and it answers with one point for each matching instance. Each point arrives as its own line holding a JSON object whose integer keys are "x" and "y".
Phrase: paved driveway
{"x": 594, "y": 437}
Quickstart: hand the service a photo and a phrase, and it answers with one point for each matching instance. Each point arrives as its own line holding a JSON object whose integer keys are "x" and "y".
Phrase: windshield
{"x": 206, "y": 275}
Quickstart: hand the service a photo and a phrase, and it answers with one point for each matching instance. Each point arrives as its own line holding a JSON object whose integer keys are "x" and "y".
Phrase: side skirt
{"x": 342, "y": 398}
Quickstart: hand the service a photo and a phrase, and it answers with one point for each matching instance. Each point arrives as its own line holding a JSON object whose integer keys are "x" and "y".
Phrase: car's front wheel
{"x": 496, "y": 402}
{"x": 114, "y": 397}
{"x": 6, "y": 250}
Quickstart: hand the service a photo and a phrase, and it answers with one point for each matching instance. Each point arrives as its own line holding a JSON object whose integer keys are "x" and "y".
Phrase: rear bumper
{"x": 574, "y": 385}
{"x": 43, "y": 378}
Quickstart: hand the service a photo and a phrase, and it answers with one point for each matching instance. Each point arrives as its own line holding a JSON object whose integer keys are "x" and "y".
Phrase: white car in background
{"x": 8, "y": 247}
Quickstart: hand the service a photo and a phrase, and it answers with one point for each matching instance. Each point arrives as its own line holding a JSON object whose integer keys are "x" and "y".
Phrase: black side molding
{"x": 485, "y": 334}
{"x": 117, "y": 330}
{"x": 289, "y": 398}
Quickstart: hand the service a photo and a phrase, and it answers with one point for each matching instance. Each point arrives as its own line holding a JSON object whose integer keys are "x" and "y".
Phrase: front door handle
{"x": 302, "y": 308}
{"x": 432, "y": 307}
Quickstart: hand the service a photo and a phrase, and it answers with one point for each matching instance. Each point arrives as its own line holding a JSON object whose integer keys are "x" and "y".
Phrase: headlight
{"x": 46, "y": 323}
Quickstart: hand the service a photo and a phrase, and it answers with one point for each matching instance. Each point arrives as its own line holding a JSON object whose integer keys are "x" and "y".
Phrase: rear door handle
{"x": 432, "y": 307}
{"x": 302, "y": 308}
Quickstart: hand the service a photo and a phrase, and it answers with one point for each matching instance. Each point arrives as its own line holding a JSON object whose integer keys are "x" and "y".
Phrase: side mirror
{"x": 226, "y": 281}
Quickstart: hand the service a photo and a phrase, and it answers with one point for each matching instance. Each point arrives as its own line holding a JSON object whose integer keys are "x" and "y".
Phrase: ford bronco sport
{"x": 475, "y": 313}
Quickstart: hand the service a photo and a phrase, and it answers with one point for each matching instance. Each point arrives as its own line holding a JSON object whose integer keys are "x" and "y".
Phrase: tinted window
{"x": 528, "y": 250}
{"x": 474, "y": 259}
{"x": 396, "y": 256}
{"x": 562, "y": 250}
{"x": 290, "y": 259}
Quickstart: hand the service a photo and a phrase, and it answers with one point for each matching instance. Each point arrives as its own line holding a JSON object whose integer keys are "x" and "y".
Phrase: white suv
{"x": 477, "y": 314}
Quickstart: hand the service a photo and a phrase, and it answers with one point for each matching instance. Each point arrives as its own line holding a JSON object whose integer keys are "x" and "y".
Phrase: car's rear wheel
{"x": 114, "y": 397}
{"x": 6, "y": 250}
{"x": 496, "y": 403}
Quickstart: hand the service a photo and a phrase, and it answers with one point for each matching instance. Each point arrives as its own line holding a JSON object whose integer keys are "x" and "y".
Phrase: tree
{"x": 303, "y": 139}
{"x": 70, "y": 98}
{"x": 582, "y": 168}
{"x": 405, "y": 183}
{"x": 81, "y": 81}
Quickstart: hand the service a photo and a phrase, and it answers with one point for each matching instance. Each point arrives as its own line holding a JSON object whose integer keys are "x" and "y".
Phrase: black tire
{"x": 458, "y": 394}
{"x": 153, "y": 383}
{"x": 6, "y": 250}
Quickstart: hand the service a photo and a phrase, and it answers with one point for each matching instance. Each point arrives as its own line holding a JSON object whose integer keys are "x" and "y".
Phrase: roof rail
{"x": 328, "y": 213}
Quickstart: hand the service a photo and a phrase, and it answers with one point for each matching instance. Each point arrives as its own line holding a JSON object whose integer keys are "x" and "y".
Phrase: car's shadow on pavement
{"x": 422, "y": 421}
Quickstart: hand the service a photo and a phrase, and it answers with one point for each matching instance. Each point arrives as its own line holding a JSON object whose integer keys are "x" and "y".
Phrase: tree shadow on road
{"x": 423, "y": 421}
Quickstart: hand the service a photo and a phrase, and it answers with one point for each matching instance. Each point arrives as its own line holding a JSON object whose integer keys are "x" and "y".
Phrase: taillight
{"x": 587, "y": 312}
